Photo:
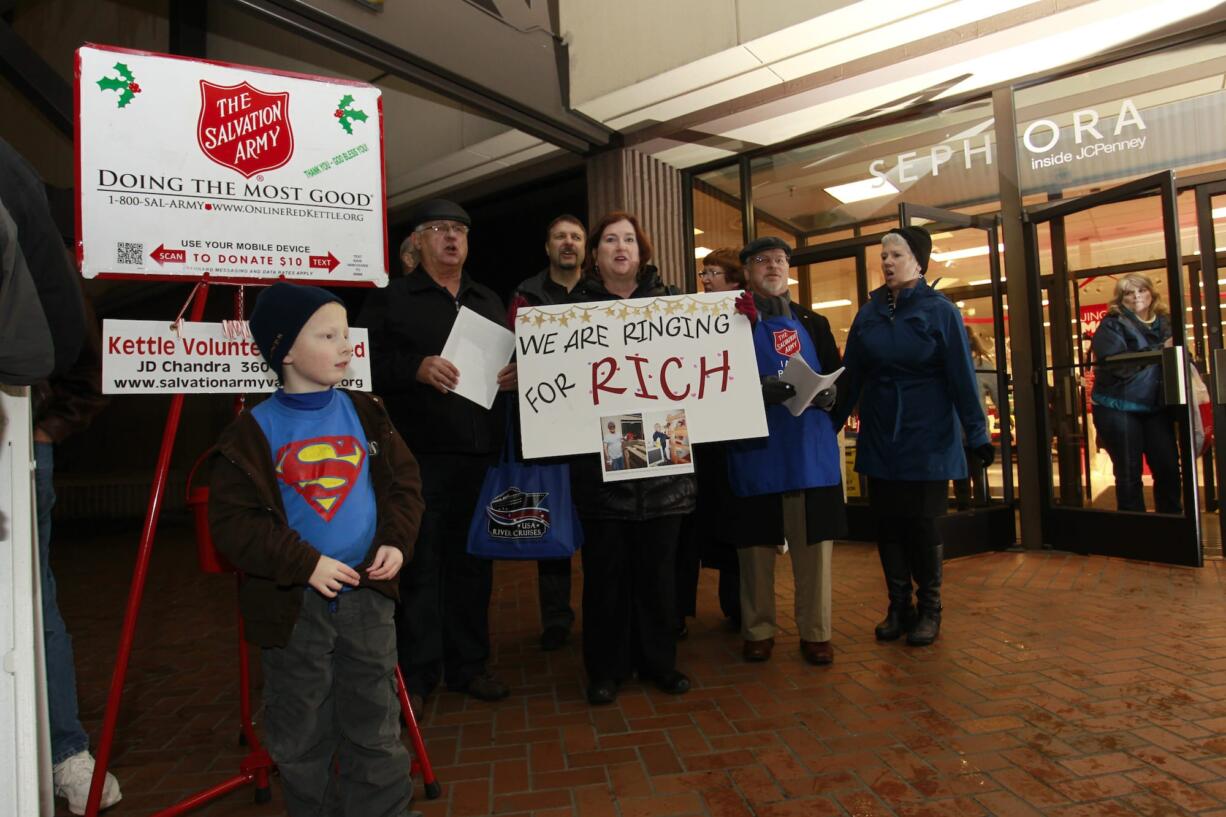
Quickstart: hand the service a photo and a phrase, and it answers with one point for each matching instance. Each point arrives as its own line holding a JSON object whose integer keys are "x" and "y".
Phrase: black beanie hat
{"x": 918, "y": 240}
{"x": 279, "y": 315}
{"x": 766, "y": 242}
{"x": 439, "y": 210}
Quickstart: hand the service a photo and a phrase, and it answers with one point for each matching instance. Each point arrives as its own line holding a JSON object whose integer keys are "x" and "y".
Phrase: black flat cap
{"x": 439, "y": 210}
{"x": 766, "y": 242}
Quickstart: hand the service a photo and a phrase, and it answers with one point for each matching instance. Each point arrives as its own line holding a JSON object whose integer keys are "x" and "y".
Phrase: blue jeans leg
{"x": 67, "y": 735}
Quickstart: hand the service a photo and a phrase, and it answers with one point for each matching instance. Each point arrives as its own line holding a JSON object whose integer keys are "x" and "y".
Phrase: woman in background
{"x": 1130, "y": 415}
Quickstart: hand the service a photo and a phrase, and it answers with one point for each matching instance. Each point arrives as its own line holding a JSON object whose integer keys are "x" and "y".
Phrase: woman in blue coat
{"x": 909, "y": 367}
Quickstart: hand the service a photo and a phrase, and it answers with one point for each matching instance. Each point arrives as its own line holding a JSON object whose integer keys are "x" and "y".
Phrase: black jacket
{"x": 410, "y": 320}
{"x": 541, "y": 289}
{"x": 634, "y": 499}
{"x": 758, "y": 520}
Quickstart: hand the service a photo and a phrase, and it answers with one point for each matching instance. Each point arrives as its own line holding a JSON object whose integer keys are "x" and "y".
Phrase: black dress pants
{"x": 442, "y": 623}
{"x": 553, "y": 589}
{"x": 629, "y": 611}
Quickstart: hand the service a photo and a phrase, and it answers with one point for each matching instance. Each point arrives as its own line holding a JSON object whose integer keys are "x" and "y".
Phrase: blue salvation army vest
{"x": 799, "y": 452}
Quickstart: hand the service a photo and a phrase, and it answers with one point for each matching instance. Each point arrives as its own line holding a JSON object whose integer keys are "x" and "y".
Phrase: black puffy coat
{"x": 633, "y": 499}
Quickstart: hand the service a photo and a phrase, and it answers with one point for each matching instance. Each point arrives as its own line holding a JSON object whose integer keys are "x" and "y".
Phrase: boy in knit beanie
{"x": 315, "y": 498}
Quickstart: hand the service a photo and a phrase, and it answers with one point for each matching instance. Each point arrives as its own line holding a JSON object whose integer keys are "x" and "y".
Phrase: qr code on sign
{"x": 129, "y": 253}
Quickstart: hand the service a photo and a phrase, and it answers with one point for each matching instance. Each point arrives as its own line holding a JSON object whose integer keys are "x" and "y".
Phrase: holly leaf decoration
{"x": 125, "y": 83}
{"x": 346, "y": 115}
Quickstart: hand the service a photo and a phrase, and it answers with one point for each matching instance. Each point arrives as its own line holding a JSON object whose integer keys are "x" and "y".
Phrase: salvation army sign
{"x": 188, "y": 168}
{"x": 581, "y": 364}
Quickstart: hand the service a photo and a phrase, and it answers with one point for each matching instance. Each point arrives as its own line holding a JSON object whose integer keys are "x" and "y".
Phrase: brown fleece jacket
{"x": 249, "y": 527}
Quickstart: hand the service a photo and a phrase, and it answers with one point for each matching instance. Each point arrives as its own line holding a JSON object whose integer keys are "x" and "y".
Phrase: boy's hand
{"x": 386, "y": 564}
{"x": 329, "y": 575}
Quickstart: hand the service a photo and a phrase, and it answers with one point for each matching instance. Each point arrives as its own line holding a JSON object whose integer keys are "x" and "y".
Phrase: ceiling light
{"x": 793, "y": 282}
{"x": 697, "y": 231}
{"x": 969, "y": 252}
{"x": 831, "y": 304}
{"x": 862, "y": 190}
{"x": 1219, "y": 212}
{"x": 961, "y": 304}
{"x": 987, "y": 281}
{"x": 945, "y": 281}
{"x": 1046, "y": 323}
{"x": 702, "y": 252}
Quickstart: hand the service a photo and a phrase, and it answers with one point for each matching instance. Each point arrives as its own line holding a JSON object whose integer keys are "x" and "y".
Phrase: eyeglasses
{"x": 710, "y": 273}
{"x": 770, "y": 259}
{"x": 446, "y": 228}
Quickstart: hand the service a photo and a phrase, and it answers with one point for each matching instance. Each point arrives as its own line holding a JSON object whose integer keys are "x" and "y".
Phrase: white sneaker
{"x": 72, "y": 778}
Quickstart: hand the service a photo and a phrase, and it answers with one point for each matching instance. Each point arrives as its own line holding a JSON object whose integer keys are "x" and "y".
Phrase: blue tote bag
{"x": 524, "y": 510}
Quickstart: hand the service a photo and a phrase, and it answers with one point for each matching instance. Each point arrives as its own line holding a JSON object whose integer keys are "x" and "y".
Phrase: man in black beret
{"x": 443, "y": 624}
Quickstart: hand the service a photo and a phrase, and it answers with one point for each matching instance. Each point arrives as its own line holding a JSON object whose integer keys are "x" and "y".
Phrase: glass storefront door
{"x": 1211, "y": 240}
{"x": 1116, "y": 442}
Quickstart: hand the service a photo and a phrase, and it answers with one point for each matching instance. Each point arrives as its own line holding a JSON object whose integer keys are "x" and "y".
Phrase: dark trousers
{"x": 442, "y": 626}
{"x": 629, "y": 612}
{"x": 686, "y": 569}
{"x": 330, "y": 694}
{"x": 910, "y": 550}
{"x": 1127, "y": 436}
{"x": 553, "y": 588}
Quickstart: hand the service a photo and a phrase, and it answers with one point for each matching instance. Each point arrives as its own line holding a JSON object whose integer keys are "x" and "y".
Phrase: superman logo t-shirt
{"x": 319, "y": 455}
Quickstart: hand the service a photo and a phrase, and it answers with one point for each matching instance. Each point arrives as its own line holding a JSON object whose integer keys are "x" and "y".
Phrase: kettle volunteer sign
{"x": 187, "y": 168}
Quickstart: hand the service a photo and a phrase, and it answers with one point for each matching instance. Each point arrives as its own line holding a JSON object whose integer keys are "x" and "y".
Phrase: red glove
{"x": 746, "y": 306}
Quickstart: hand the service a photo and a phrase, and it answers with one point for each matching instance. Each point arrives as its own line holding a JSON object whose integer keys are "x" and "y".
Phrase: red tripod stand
{"x": 256, "y": 766}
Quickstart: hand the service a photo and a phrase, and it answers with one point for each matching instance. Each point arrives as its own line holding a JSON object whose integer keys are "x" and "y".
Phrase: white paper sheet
{"x": 806, "y": 382}
{"x": 479, "y": 348}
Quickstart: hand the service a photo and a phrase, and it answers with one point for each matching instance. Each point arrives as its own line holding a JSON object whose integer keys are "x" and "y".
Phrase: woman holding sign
{"x": 789, "y": 484}
{"x": 630, "y": 527}
{"x": 909, "y": 365}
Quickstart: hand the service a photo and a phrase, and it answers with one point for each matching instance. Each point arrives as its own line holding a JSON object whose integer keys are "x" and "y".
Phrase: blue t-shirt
{"x": 319, "y": 455}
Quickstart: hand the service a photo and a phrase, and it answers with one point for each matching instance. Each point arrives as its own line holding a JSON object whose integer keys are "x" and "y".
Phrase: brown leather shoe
{"x": 820, "y": 653}
{"x": 758, "y": 650}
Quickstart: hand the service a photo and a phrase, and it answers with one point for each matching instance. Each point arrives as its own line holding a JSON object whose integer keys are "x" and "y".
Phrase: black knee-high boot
{"x": 927, "y": 556}
{"x": 896, "y": 566}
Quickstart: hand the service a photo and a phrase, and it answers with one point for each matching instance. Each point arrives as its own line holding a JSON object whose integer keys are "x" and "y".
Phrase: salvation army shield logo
{"x": 787, "y": 342}
{"x": 244, "y": 128}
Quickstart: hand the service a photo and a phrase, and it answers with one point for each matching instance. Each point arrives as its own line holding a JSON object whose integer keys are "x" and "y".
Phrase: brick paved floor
{"x": 1061, "y": 685}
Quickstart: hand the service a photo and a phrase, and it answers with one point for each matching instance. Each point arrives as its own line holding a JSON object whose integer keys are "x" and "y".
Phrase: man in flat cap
{"x": 443, "y": 629}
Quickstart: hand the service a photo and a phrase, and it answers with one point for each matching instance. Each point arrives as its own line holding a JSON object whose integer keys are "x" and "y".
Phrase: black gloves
{"x": 775, "y": 391}
{"x": 825, "y": 398}
{"x": 986, "y": 454}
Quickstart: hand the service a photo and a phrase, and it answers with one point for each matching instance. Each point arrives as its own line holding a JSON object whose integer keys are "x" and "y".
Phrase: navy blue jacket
{"x": 913, "y": 377}
{"x": 1128, "y": 387}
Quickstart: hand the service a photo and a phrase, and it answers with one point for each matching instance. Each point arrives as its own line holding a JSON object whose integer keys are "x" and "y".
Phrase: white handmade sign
{"x": 156, "y": 357}
{"x": 187, "y": 168}
{"x": 580, "y": 364}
